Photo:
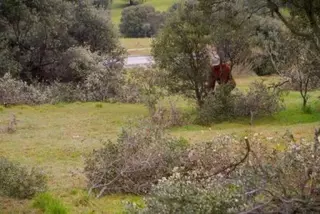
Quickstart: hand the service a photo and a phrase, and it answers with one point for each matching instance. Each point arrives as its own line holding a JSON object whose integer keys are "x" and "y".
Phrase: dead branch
{"x": 274, "y": 86}
{"x": 231, "y": 167}
{"x": 257, "y": 208}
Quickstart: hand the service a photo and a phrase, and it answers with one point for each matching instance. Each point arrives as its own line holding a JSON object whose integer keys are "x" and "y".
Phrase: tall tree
{"x": 180, "y": 49}
{"x": 35, "y": 34}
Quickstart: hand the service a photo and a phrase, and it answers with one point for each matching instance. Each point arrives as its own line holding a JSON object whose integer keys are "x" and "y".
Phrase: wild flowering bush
{"x": 142, "y": 154}
{"x": 99, "y": 85}
{"x": 20, "y": 182}
{"x": 272, "y": 175}
{"x": 178, "y": 194}
{"x": 259, "y": 100}
{"x": 13, "y": 91}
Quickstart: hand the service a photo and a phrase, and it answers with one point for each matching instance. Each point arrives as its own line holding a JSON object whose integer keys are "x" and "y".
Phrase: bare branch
{"x": 231, "y": 167}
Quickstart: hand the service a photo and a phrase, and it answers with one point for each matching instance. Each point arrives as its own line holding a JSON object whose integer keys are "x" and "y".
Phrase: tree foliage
{"x": 141, "y": 21}
{"x": 35, "y": 35}
{"x": 180, "y": 49}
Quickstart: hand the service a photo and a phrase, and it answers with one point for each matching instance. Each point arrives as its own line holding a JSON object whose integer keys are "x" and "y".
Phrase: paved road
{"x": 132, "y": 61}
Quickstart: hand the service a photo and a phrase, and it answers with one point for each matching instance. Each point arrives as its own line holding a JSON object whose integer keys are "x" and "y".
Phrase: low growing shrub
{"x": 142, "y": 154}
{"x": 11, "y": 126}
{"x": 260, "y": 100}
{"x": 101, "y": 85}
{"x": 168, "y": 115}
{"x": 48, "y": 204}
{"x": 182, "y": 196}
{"x": 20, "y": 182}
{"x": 274, "y": 175}
{"x": 218, "y": 107}
{"x": 14, "y": 91}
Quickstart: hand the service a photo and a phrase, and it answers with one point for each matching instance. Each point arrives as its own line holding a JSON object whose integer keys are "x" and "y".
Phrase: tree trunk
{"x": 305, "y": 100}
{"x": 199, "y": 98}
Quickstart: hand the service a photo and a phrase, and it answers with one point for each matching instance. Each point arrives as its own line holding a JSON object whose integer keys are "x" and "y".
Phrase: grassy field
{"x": 136, "y": 46}
{"x": 118, "y": 5}
{"x": 57, "y": 138}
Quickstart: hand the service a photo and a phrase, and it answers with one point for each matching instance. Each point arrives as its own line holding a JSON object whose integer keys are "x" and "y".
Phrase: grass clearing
{"x": 119, "y": 5}
{"x": 57, "y": 138}
{"x": 137, "y": 46}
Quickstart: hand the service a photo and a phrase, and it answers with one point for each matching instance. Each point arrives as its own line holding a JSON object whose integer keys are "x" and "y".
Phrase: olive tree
{"x": 140, "y": 21}
{"x": 180, "y": 49}
{"x": 36, "y": 34}
{"x": 294, "y": 59}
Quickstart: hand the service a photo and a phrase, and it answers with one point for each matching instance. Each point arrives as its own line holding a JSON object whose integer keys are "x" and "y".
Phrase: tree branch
{"x": 275, "y": 8}
{"x": 231, "y": 167}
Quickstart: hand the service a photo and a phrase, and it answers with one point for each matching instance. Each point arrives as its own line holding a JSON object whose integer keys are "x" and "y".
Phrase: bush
{"x": 102, "y": 85}
{"x": 76, "y": 64}
{"x": 140, "y": 21}
{"x": 13, "y": 91}
{"x": 168, "y": 115}
{"x": 49, "y": 204}
{"x": 20, "y": 182}
{"x": 177, "y": 195}
{"x": 142, "y": 154}
{"x": 148, "y": 84}
{"x": 99, "y": 85}
{"x": 280, "y": 176}
{"x": 136, "y": 2}
{"x": 262, "y": 65}
{"x": 218, "y": 106}
{"x": 260, "y": 100}
{"x": 63, "y": 92}
{"x": 11, "y": 126}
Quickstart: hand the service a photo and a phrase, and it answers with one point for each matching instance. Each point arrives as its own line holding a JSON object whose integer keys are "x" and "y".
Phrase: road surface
{"x": 133, "y": 61}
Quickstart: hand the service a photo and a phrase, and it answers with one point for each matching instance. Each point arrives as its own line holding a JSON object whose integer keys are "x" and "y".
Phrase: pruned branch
{"x": 231, "y": 167}
{"x": 274, "y": 86}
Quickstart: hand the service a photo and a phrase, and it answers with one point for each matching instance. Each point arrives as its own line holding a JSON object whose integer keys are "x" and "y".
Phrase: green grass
{"x": 58, "y": 137}
{"x": 119, "y": 5}
{"x": 136, "y": 46}
{"x": 49, "y": 205}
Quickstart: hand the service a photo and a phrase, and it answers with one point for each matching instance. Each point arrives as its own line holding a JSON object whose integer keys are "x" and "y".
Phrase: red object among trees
{"x": 222, "y": 74}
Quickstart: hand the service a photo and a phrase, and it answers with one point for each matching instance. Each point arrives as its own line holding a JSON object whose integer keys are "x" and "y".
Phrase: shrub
{"x": 177, "y": 195}
{"x": 148, "y": 84}
{"x": 262, "y": 65}
{"x": 63, "y": 92}
{"x": 280, "y": 176}
{"x": 260, "y": 100}
{"x": 218, "y": 106}
{"x": 11, "y": 126}
{"x": 99, "y": 85}
{"x": 49, "y": 204}
{"x": 102, "y": 84}
{"x": 20, "y": 182}
{"x": 14, "y": 91}
{"x": 168, "y": 115}
{"x": 140, "y": 21}
{"x": 76, "y": 64}
{"x": 142, "y": 154}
